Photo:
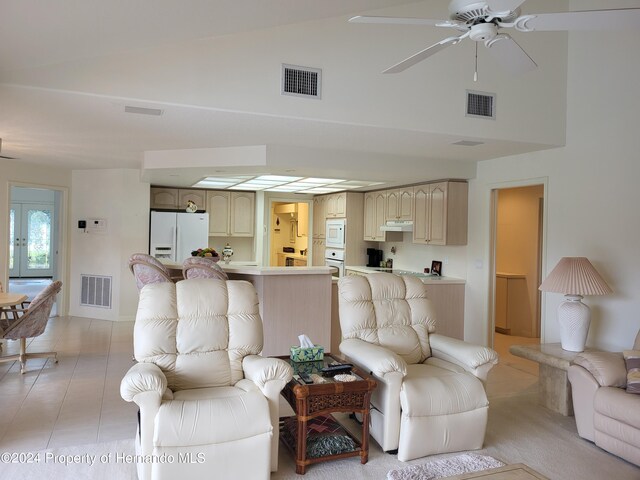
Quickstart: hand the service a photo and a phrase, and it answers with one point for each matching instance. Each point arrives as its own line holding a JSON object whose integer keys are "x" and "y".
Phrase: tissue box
{"x": 306, "y": 354}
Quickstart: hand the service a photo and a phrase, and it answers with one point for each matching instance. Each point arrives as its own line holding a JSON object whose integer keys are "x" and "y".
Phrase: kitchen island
{"x": 293, "y": 300}
{"x": 446, "y": 295}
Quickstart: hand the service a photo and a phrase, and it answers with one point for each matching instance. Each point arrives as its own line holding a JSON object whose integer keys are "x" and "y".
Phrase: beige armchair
{"x": 430, "y": 397}
{"x": 605, "y": 413}
{"x": 20, "y": 324}
{"x": 204, "y": 392}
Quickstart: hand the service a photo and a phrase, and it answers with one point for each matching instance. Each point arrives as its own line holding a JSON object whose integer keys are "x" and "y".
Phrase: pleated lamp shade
{"x": 575, "y": 276}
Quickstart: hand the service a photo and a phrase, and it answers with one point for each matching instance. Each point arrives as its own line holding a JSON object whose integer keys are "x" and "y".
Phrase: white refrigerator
{"x": 175, "y": 235}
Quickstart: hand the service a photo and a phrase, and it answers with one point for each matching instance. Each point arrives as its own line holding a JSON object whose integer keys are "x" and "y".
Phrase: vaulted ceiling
{"x": 68, "y": 69}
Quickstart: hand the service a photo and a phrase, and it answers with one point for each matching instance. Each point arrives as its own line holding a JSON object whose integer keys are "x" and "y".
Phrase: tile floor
{"x": 78, "y": 400}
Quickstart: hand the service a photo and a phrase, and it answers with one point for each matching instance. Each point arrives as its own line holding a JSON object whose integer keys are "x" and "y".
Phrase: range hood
{"x": 397, "y": 226}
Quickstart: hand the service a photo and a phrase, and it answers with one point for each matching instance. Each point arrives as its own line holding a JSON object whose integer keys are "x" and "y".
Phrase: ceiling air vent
{"x": 481, "y": 104}
{"x": 301, "y": 81}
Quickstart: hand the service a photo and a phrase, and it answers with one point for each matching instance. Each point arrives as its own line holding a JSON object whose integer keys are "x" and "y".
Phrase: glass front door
{"x": 30, "y": 240}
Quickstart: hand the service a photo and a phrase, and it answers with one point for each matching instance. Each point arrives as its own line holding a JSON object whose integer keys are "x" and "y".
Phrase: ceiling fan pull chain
{"x": 475, "y": 73}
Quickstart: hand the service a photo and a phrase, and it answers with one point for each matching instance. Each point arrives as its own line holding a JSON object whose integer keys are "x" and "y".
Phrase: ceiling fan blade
{"x": 626, "y": 18}
{"x": 424, "y": 54}
{"x": 404, "y": 21}
{"x": 511, "y": 55}
{"x": 504, "y": 5}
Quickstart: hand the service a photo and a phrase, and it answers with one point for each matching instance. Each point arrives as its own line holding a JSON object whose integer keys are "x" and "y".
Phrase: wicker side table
{"x": 311, "y": 401}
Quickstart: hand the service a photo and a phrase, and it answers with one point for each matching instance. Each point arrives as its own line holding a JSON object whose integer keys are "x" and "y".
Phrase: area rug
{"x": 446, "y": 467}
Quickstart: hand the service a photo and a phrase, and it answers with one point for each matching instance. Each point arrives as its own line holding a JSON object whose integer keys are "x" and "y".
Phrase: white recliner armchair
{"x": 430, "y": 397}
{"x": 208, "y": 402}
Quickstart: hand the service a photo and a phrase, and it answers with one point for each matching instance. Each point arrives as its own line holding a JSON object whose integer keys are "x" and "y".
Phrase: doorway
{"x": 289, "y": 234}
{"x": 34, "y": 239}
{"x": 518, "y": 219}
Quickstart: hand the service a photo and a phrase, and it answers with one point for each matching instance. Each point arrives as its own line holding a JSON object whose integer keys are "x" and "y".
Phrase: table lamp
{"x": 575, "y": 277}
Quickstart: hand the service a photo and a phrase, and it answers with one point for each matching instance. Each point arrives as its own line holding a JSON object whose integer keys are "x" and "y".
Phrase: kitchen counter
{"x": 426, "y": 278}
{"x": 250, "y": 268}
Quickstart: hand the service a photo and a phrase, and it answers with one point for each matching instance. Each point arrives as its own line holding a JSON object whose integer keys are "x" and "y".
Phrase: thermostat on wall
{"x": 96, "y": 225}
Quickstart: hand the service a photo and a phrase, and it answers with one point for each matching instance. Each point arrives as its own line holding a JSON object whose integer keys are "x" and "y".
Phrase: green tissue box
{"x": 313, "y": 354}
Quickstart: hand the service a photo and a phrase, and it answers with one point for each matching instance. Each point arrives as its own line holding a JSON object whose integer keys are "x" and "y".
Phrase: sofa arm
{"x": 374, "y": 358}
{"x": 476, "y": 359}
{"x": 607, "y": 368}
{"x": 142, "y": 378}
{"x": 261, "y": 370}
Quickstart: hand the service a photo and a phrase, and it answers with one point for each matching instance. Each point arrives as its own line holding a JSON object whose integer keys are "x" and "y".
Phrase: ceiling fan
{"x": 4, "y": 156}
{"x": 483, "y": 21}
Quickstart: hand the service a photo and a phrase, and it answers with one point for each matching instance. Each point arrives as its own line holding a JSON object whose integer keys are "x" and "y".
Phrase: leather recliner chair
{"x": 605, "y": 413}
{"x": 207, "y": 400}
{"x": 430, "y": 397}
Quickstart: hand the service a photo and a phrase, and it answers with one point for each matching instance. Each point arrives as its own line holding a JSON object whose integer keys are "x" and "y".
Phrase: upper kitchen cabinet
{"x": 231, "y": 214}
{"x": 199, "y": 197}
{"x": 319, "y": 217}
{"x": 165, "y": 198}
{"x": 399, "y": 204}
{"x": 374, "y": 215}
{"x": 440, "y": 213}
{"x": 176, "y": 198}
{"x": 336, "y": 205}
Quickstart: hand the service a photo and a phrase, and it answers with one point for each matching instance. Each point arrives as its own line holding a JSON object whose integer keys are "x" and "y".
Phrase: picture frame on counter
{"x": 436, "y": 268}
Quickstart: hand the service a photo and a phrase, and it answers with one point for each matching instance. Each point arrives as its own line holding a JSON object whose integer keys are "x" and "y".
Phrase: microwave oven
{"x": 335, "y": 233}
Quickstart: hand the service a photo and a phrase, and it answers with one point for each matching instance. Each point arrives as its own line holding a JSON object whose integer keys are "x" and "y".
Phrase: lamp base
{"x": 574, "y": 318}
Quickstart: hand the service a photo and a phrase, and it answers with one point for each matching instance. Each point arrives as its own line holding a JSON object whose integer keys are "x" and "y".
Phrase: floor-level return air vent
{"x": 481, "y": 104}
{"x": 301, "y": 81}
{"x": 95, "y": 291}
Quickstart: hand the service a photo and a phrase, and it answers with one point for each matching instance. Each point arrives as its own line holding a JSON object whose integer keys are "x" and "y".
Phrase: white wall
{"x": 593, "y": 194}
{"x": 118, "y": 196}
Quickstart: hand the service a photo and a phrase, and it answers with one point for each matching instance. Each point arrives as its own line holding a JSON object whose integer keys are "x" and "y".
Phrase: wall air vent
{"x": 481, "y": 105}
{"x": 142, "y": 110}
{"x": 301, "y": 81}
{"x": 467, "y": 143}
{"x": 95, "y": 291}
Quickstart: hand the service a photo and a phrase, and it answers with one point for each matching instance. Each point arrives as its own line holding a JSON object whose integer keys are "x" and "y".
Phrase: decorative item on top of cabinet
{"x": 199, "y": 197}
{"x": 164, "y": 198}
{"x": 231, "y": 214}
{"x": 440, "y": 213}
{"x": 374, "y": 215}
{"x": 399, "y": 205}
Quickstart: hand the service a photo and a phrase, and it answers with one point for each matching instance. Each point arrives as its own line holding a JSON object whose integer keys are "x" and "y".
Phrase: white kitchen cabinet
{"x": 164, "y": 198}
{"x": 336, "y": 205}
{"x": 199, "y": 197}
{"x": 243, "y": 206}
{"x": 176, "y": 198}
{"x": 399, "y": 204}
{"x": 440, "y": 213}
{"x": 231, "y": 214}
{"x": 318, "y": 252}
{"x": 374, "y": 215}
{"x": 319, "y": 216}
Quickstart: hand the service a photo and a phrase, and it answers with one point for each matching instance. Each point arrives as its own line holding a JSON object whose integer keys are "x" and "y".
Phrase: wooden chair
{"x": 20, "y": 324}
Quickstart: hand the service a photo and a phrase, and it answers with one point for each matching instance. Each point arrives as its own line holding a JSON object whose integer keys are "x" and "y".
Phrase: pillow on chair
{"x": 632, "y": 360}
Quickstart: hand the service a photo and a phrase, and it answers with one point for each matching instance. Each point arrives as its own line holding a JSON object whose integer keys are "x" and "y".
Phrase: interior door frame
{"x": 61, "y": 270}
{"x": 493, "y": 228}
